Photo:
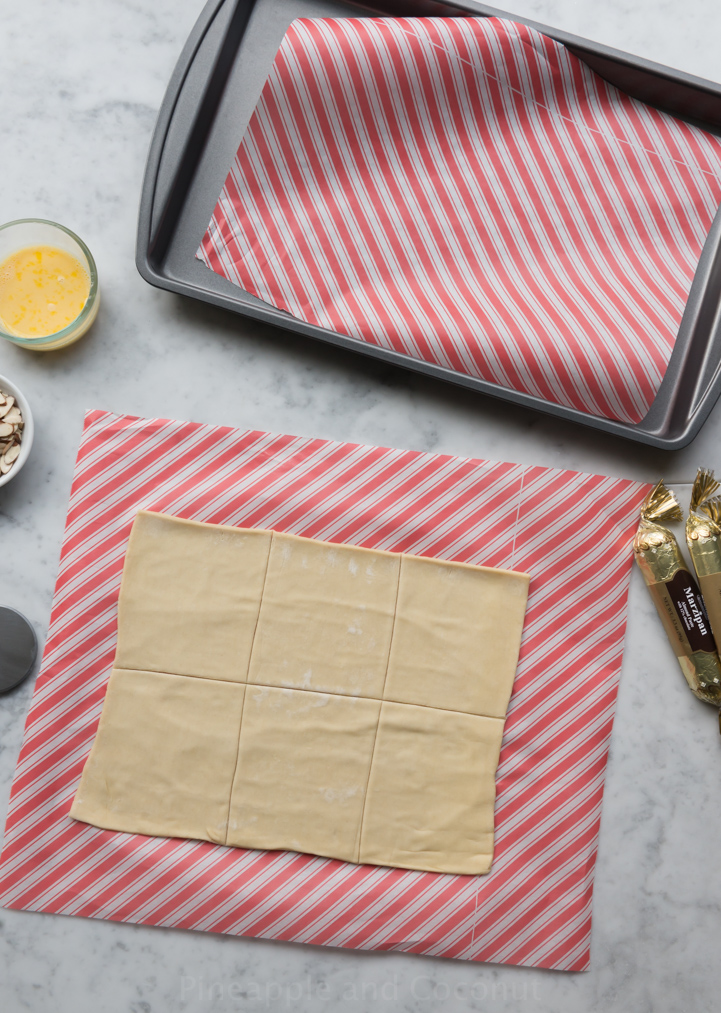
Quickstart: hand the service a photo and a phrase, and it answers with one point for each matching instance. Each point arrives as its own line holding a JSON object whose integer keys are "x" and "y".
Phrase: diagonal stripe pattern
{"x": 571, "y": 532}
{"x": 467, "y": 192}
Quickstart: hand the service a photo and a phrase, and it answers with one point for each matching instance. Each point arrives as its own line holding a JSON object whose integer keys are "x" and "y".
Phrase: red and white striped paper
{"x": 467, "y": 192}
{"x": 571, "y": 532}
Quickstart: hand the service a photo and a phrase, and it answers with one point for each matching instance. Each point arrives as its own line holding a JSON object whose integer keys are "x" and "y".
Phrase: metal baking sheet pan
{"x": 211, "y": 96}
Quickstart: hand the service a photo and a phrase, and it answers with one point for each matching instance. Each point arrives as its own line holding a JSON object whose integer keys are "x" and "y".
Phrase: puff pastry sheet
{"x": 272, "y": 691}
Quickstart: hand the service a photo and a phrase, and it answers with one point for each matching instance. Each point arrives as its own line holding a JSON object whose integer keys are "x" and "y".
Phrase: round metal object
{"x": 18, "y": 648}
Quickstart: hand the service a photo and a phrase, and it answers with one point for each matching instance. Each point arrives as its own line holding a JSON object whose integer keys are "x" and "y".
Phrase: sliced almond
{"x": 11, "y": 427}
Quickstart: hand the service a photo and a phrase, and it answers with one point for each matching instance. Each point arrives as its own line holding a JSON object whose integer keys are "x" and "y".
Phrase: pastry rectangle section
{"x": 431, "y": 791}
{"x": 327, "y": 618}
{"x": 189, "y": 597}
{"x": 162, "y": 761}
{"x": 456, "y": 637}
{"x": 277, "y": 692}
{"x": 302, "y": 771}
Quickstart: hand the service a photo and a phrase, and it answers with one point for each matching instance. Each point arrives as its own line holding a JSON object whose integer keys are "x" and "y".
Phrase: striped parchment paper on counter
{"x": 534, "y": 907}
{"x": 467, "y": 192}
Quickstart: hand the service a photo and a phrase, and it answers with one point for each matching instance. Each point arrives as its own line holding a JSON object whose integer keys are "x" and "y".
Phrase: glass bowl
{"x": 37, "y": 232}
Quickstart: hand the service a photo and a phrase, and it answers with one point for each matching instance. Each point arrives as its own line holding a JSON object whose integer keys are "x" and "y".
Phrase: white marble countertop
{"x": 81, "y": 84}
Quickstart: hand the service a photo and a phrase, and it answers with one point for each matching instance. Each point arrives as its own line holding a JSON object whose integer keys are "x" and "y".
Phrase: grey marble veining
{"x": 80, "y": 83}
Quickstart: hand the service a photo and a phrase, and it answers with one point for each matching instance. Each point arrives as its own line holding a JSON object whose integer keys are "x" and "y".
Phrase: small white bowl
{"x": 8, "y": 387}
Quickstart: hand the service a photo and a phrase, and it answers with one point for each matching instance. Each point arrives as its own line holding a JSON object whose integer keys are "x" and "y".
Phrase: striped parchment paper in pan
{"x": 467, "y": 192}
{"x": 535, "y": 906}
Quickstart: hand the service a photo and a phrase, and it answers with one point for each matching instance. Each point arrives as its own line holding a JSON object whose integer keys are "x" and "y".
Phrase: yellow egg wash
{"x": 42, "y": 290}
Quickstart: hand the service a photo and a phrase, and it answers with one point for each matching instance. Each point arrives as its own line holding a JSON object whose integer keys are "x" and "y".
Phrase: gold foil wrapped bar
{"x": 703, "y": 536}
{"x": 677, "y": 596}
